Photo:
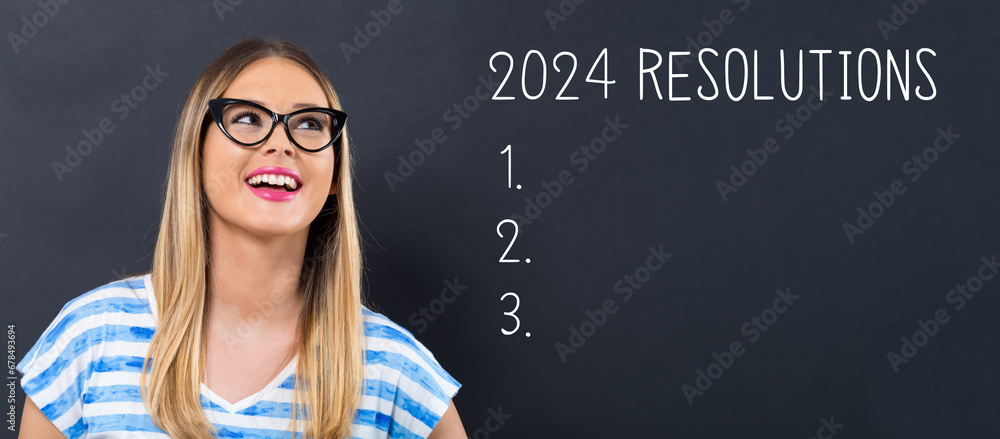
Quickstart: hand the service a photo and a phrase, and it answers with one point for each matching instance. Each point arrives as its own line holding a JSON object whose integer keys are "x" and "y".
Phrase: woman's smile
{"x": 274, "y": 183}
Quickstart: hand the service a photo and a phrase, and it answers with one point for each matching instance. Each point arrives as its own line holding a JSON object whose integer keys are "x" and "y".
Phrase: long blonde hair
{"x": 330, "y": 369}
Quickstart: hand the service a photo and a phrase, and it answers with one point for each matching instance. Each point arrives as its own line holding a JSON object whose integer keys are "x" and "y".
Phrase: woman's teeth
{"x": 274, "y": 180}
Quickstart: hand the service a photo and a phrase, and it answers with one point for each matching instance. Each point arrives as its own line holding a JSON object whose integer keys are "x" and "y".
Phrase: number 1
{"x": 506, "y": 150}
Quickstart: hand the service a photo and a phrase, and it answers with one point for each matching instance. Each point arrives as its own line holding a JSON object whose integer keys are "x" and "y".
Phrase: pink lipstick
{"x": 273, "y": 183}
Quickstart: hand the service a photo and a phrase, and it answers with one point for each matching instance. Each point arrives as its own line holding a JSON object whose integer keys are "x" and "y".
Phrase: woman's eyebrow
{"x": 296, "y": 106}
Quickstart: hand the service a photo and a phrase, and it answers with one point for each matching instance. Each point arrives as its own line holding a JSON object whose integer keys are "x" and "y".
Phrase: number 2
{"x": 504, "y": 255}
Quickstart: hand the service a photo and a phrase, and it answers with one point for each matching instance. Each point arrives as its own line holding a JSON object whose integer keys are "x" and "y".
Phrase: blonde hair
{"x": 330, "y": 369}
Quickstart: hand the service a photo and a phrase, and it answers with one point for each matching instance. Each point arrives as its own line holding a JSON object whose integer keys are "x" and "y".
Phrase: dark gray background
{"x": 826, "y": 356}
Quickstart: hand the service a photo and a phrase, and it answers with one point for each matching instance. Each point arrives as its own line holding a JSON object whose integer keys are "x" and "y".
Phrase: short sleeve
{"x": 408, "y": 391}
{"x": 422, "y": 405}
{"x": 57, "y": 368}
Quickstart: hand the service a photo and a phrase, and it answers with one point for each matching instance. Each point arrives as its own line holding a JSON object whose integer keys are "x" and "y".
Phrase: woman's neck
{"x": 253, "y": 281}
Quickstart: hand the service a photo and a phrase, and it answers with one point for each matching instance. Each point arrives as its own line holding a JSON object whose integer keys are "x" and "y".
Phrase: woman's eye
{"x": 308, "y": 124}
{"x": 247, "y": 118}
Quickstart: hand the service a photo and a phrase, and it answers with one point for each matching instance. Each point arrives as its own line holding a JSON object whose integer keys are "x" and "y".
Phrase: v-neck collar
{"x": 233, "y": 407}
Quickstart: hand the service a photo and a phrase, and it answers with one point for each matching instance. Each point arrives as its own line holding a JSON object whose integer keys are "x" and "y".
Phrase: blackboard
{"x": 725, "y": 265}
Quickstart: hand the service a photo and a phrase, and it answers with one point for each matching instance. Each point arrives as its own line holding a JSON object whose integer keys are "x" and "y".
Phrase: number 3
{"x": 517, "y": 303}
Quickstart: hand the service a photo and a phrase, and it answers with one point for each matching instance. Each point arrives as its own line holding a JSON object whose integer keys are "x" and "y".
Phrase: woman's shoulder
{"x": 95, "y": 338}
{"x": 384, "y": 334}
{"x": 124, "y": 294}
{"x": 373, "y": 319}
{"x": 92, "y": 318}
{"x": 400, "y": 369}
{"x": 390, "y": 345}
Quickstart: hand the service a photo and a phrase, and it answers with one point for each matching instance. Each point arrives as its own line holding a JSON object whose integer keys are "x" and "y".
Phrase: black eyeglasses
{"x": 250, "y": 124}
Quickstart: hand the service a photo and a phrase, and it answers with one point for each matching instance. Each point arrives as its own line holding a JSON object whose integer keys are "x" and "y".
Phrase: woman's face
{"x": 281, "y": 86}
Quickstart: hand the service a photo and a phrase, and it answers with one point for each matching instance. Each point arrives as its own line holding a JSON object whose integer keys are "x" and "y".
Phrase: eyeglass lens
{"x": 247, "y": 124}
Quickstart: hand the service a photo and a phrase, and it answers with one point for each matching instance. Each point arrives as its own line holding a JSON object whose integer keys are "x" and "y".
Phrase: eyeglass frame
{"x": 216, "y": 106}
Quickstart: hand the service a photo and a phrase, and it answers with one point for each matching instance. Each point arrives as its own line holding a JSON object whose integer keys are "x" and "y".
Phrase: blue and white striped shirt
{"x": 83, "y": 373}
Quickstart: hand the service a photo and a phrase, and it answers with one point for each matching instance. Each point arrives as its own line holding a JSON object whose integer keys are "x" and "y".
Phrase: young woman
{"x": 251, "y": 322}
